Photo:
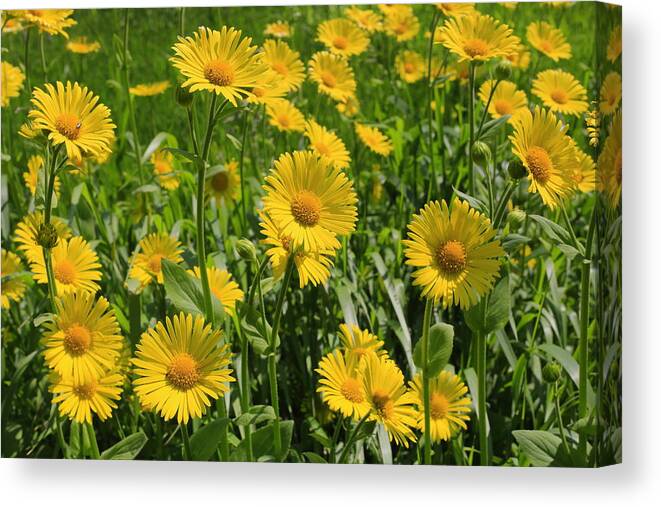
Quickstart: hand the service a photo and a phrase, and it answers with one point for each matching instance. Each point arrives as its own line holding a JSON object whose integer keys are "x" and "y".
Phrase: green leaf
{"x": 441, "y": 339}
{"x": 128, "y": 448}
{"x": 496, "y": 314}
{"x": 262, "y": 442}
{"x": 43, "y": 318}
{"x": 204, "y": 442}
{"x": 492, "y": 126}
{"x": 569, "y": 364}
{"x": 256, "y": 330}
{"x": 473, "y": 201}
{"x": 185, "y": 291}
{"x": 255, "y": 415}
{"x": 558, "y": 234}
{"x": 313, "y": 457}
{"x": 541, "y": 447}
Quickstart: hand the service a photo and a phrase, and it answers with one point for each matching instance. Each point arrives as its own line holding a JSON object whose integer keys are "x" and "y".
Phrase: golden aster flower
{"x": 614, "y": 48}
{"x": 51, "y": 21}
{"x": 542, "y": 146}
{"x": 584, "y": 173}
{"x": 285, "y": 62}
{"x": 27, "y": 230}
{"x": 82, "y": 46}
{"x": 449, "y": 406}
{"x": 410, "y": 65}
{"x": 270, "y": 88}
{"x": 341, "y": 386}
{"x": 76, "y": 267}
{"x": 152, "y": 249}
{"x": 610, "y": 93}
{"x": 391, "y": 404}
{"x": 549, "y": 40}
{"x": 149, "y": 89}
{"x": 223, "y": 287}
{"x": 31, "y": 176}
{"x": 13, "y": 287}
{"x": 279, "y": 30}
{"x": 374, "y": 139}
{"x": 218, "y": 61}
{"x": 285, "y": 116}
{"x": 478, "y": 38}
{"x": 11, "y": 25}
{"x": 506, "y": 99}
{"x": 366, "y": 19}
{"x": 78, "y": 400}
{"x": 342, "y": 37}
{"x": 164, "y": 170}
{"x": 520, "y": 59}
{"x": 180, "y": 366}
{"x": 310, "y": 200}
{"x": 325, "y": 143}
{"x": 74, "y": 117}
{"x": 357, "y": 343}
{"x": 28, "y": 131}
{"x": 224, "y": 185}
{"x": 83, "y": 341}
{"x": 456, "y": 10}
{"x": 561, "y": 92}
{"x": 388, "y": 9}
{"x": 312, "y": 267}
{"x": 401, "y": 23}
{"x": 333, "y": 75}
{"x": 349, "y": 107}
{"x": 609, "y": 163}
{"x": 455, "y": 253}
{"x": 12, "y": 83}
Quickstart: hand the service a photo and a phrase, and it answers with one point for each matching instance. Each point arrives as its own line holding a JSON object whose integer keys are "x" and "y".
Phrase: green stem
{"x": 245, "y": 381}
{"x": 499, "y": 215}
{"x": 426, "y": 323}
{"x": 486, "y": 108}
{"x": 574, "y": 239}
{"x": 94, "y": 446}
{"x": 471, "y": 127}
{"x": 188, "y": 456}
{"x": 224, "y": 443}
{"x": 430, "y": 86}
{"x": 336, "y": 434}
{"x": 244, "y": 128}
{"x": 50, "y": 188}
{"x": 257, "y": 280}
{"x": 482, "y": 391}
{"x": 43, "y": 57}
{"x": 352, "y": 437}
{"x": 26, "y": 59}
{"x": 182, "y": 20}
{"x": 558, "y": 416}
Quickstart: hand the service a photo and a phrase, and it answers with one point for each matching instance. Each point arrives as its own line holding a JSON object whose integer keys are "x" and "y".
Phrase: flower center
{"x": 539, "y": 163}
{"x": 439, "y": 406}
{"x": 400, "y": 28}
{"x": 359, "y": 351}
{"x": 502, "y": 107}
{"x": 409, "y": 68}
{"x": 258, "y": 92}
{"x": 451, "y": 257}
{"x": 351, "y": 390}
{"x": 383, "y": 404}
{"x": 280, "y": 68}
{"x": 220, "y": 181}
{"x": 559, "y": 96}
{"x": 328, "y": 79}
{"x": 154, "y": 263}
{"x": 546, "y": 46}
{"x": 618, "y": 167}
{"x": 85, "y": 391}
{"x": 283, "y": 120}
{"x": 68, "y": 125}
{"x": 219, "y": 72}
{"x": 340, "y": 42}
{"x": 476, "y": 47}
{"x": 320, "y": 147}
{"x": 77, "y": 339}
{"x": 65, "y": 272}
{"x": 306, "y": 207}
{"x": 162, "y": 167}
{"x": 183, "y": 373}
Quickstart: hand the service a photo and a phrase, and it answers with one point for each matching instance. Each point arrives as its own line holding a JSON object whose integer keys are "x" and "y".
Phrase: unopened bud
{"x": 504, "y": 70}
{"x": 481, "y": 152}
{"x": 246, "y": 250}
{"x": 183, "y": 96}
{"x": 516, "y": 169}
{"x": 47, "y": 236}
{"x": 551, "y": 372}
{"x": 516, "y": 216}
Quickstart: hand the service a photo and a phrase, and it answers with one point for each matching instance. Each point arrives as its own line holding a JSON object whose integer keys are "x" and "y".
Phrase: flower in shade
{"x": 609, "y": 163}
{"x": 31, "y": 176}
{"x": 342, "y": 37}
{"x": 50, "y": 21}
{"x": 218, "y": 61}
{"x": 366, "y": 19}
{"x": 149, "y": 89}
{"x": 584, "y": 173}
{"x": 341, "y": 386}
{"x": 285, "y": 62}
{"x": 325, "y": 143}
{"x": 28, "y": 229}
{"x": 82, "y": 46}
{"x": 12, "y": 83}
{"x": 401, "y": 23}
{"x": 540, "y": 143}
{"x": 166, "y": 174}
{"x": 147, "y": 262}
{"x": 72, "y": 115}
{"x": 520, "y": 58}
{"x": 357, "y": 342}
{"x": 225, "y": 184}
{"x": 270, "y": 88}
{"x": 549, "y": 40}
{"x": 561, "y": 92}
{"x": 449, "y": 406}
{"x": 410, "y": 66}
{"x": 614, "y": 48}
{"x": 13, "y": 287}
{"x": 374, "y": 139}
{"x": 456, "y": 10}
{"x": 333, "y": 75}
{"x": 279, "y": 30}
{"x": 349, "y": 107}
{"x": 506, "y": 99}
{"x": 78, "y": 400}
{"x": 456, "y": 257}
{"x": 222, "y": 286}
{"x": 610, "y": 93}
{"x": 180, "y": 366}
{"x": 285, "y": 116}
{"x": 478, "y": 38}
{"x": 83, "y": 341}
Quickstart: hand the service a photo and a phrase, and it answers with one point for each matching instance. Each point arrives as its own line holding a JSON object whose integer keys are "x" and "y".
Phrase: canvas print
{"x": 383, "y": 234}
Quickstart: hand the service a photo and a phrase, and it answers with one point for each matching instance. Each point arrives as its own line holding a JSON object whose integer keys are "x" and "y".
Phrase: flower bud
{"x": 504, "y": 70}
{"x": 517, "y": 169}
{"x": 516, "y": 216}
{"x": 47, "y": 236}
{"x": 246, "y": 250}
{"x": 551, "y": 372}
{"x": 481, "y": 152}
{"x": 184, "y": 97}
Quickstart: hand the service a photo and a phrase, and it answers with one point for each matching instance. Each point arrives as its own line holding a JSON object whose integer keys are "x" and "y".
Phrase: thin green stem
{"x": 188, "y": 455}
{"x": 486, "y": 108}
{"x": 352, "y": 437}
{"x": 182, "y": 20}
{"x": 245, "y": 381}
{"x": 244, "y": 129}
{"x": 26, "y": 59}
{"x": 430, "y": 89}
{"x": 94, "y": 446}
{"x": 44, "y": 67}
{"x": 482, "y": 391}
{"x": 558, "y": 417}
{"x": 471, "y": 127}
{"x": 426, "y": 323}
{"x": 499, "y": 215}
{"x": 336, "y": 434}
{"x": 50, "y": 189}
{"x": 565, "y": 217}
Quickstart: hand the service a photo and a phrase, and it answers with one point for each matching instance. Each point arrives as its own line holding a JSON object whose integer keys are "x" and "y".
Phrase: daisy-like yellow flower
{"x": 341, "y": 386}
{"x": 349, "y": 107}
{"x": 609, "y": 163}
{"x": 520, "y": 59}
{"x": 285, "y": 116}
{"x": 78, "y": 400}
{"x": 74, "y": 117}
{"x": 561, "y": 92}
{"x": 180, "y": 366}
{"x": 614, "y": 48}
{"x": 584, "y": 173}
{"x": 218, "y": 61}
{"x": 456, "y": 10}
{"x": 610, "y": 93}
{"x": 542, "y": 146}
{"x": 366, "y": 19}
{"x": 357, "y": 342}
{"x": 391, "y": 404}
{"x": 312, "y": 267}
{"x": 271, "y": 88}
{"x": 224, "y": 185}
{"x": 410, "y": 65}
{"x": 12, "y": 288}
{"x": 312, "y": 201}
{"x": 478, "y": 38}
{"x": 51, "y": 21}
{"x": 285, "y": 62}
{"x": 76, "y": 267}
{"x": 279, "y": 30}
{"x": 342, "y": 37}
{"x": 401, "y": 23}
{"x": 82, "y": 46}
{"x": 12, "y": 83}
{"x": 149, "y": 89}
{"x": 152, "y": 249}
{"x": 27, "y": 230}
{"x": 222, "y": 286}
{"x": 374, "y": 139}
{"x": 166, "y": 174}
{"x": 455, "y": 253}
{"x": 449, "y": 406}
{"x": 333, "y": 75}
{"x": 83, "y": 341}
{"x": 11, "y": 25}
{"x": 506, "y": 99}
{"x": 549, "y": 40}
{"x": 31, "y": 176}
{"x": 325, "y": 143}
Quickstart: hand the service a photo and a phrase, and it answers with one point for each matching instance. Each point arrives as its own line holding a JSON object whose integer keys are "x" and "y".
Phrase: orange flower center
{"x": 280, "y": 68}
{"x": 320, "y": 147}
{"x": 283, "y": 120}
{"x": 546, "y": 46}
{"x": 154, "y": 263}
{"x": 162, "y": 167}
{"x": 77, "y": 339}
{"x": 220, "y": 181}
{"x": 451, "y": 257}
{"x": 559, "y": 96}
{"x": 85, "y": 391}
{"x": 340, "y": 42}
{"x": 409, "y": 68}
{"x": 539, "y": 163}
{"x": 183, "y": 373}
{"x": 258, "y": 92}
{"x": 383, "y": 404}
{"x": 219, "y": 72}
{"x": 439, "y": 406}
{"x": 503, "y": 107}
{"x": 476, "y": 47}
{"x": 65, "y": 272}
{"x": 351, "y": 390}
{"x": 306, "y": 208}
{"x": 328, "y": 79}
{"x": 400, "y": 28}
{"x": 68, "y": 125}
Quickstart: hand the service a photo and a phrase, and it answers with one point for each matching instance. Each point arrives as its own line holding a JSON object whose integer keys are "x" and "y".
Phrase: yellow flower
{"x": 285, "y": 62}
{"x": 285, "y": 116}
{"x": 75, "y": 267}
{"x": 561, "y": 92}
{"x": 51, "y": 21}
{"x": 223, "y": 287}
{"x": 166, "y": 174}
{"x": 152, "y": 249}
{"x": 82, "y": 46}
{"x": 611, "y": 93}
{"x": 27, "y": 230}
{"x": 410, "y": 65}
{"x": 542, "y": 146}
{"x": 279, "y": 29}
{"x": 366, "y": 19}
{"x": 449, "y": 406}
{"x": 11, "y": 25}
{"x": 357, "y": 342}
{"x": 341, "y": 385}
{"x": 584, "y": 173}
{"x": 374, "y": 139}
{"x": 13, "y": 287}
{"x": 342, "y": 37}
{"x": 549, "y": 40}
{"x": 520, "y": 59}
{"x": 478, "y": 38}
{"x": 74, "y": 117}
{"x": 31, "y": 176}
{"x": 506, "y": 99}
{"x": 79, "y": 399}
{"x": 614, "y": 48}
{"x": 149, "y": 89}
{"x": 218, "y": 61}
{"x": 12, "y": 83}
{"x": 270, "y": 88}
{"x": 83, "y": 341}
{"x": 455, "y": 253}
{"x": 325, "y": 143}
{"x": 349, "y": 107}
{"x": 180, "y": 366}
{"x": 333, "y": 75}
{"x": 609, "y": 163}
{"x": 401, "y": 23}
{"x": 224, "y": 185}
{"x": 457, "y": 10}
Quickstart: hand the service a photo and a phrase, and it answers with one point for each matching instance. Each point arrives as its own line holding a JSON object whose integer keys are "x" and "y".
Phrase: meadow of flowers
{"x": 333, "y": 234}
